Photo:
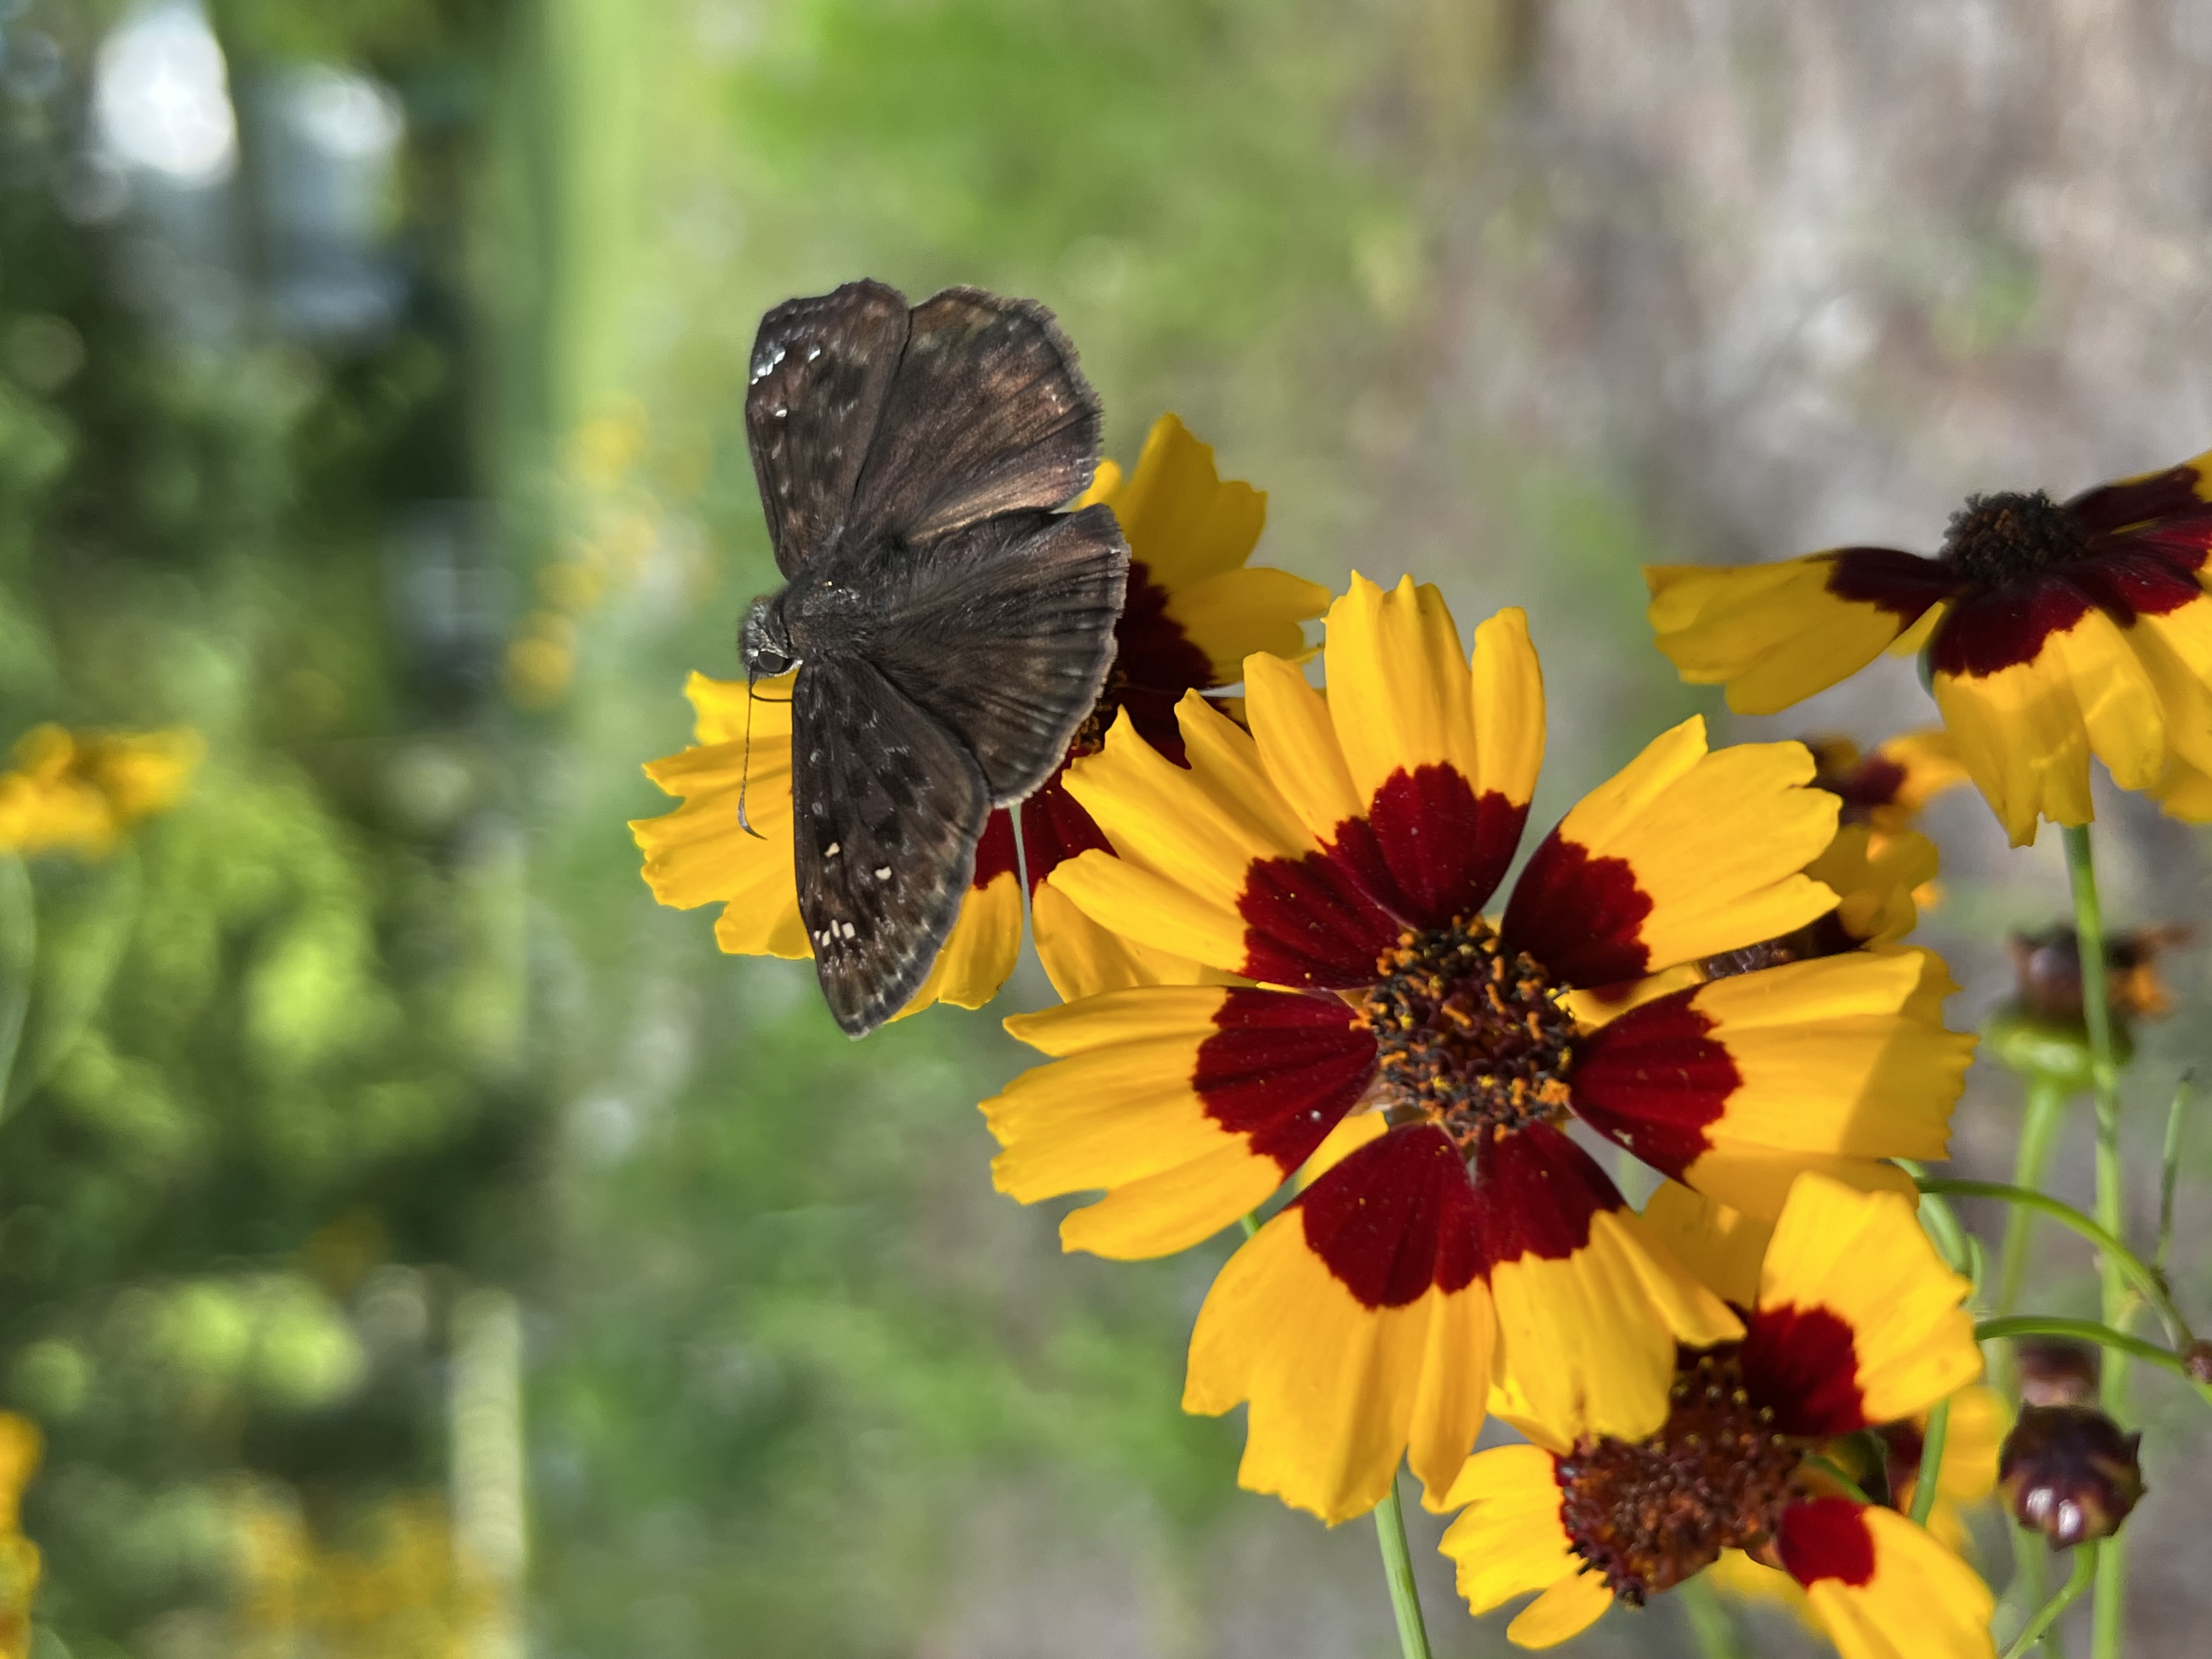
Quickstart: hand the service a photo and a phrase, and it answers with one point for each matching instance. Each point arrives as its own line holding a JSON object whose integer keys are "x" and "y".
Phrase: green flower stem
{"x": 19, "y": 953}
{"x": 1931, "y": 1461}
{"x": 1712, "y": 1626}
{"x": 2038, "y": 1134}
{"x": 2138, "y": 1272}
{"x": 1398, "y": 1569}
{"x": 1837, "y": 1473}
{"x": 1249, "y": 1221}
{"x": 2087, "y": 1559}
{"x": 2030, "y": 1584}
{"x": 2169, "y": 1166}
{"x": 1940, "y": 1218}
{"x": 2089, "y": 1330}
{"x": 2110, "y": 1619}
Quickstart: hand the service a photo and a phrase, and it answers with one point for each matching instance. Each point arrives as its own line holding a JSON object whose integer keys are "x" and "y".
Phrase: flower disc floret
{"x": 2010, "y": 537}
{"x": 1467, "y": 1035}
{"x": 1646, "y": 1515}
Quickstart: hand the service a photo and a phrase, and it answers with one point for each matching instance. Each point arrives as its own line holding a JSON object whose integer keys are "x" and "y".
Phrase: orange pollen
{"x": 1467, "y": 1036}
{"x": 1648, "y": 1514}
{"x": 1090, "y": 736}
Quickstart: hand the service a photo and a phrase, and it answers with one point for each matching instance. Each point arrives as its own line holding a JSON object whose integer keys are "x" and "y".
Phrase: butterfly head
{"x": 764, "y": 642}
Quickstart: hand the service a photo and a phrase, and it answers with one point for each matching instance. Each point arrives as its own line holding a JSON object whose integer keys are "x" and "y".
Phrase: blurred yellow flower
{"x": 412, "y": 1595}
{"x": 20, "y": 1448}
{"x": 78, "y": 791}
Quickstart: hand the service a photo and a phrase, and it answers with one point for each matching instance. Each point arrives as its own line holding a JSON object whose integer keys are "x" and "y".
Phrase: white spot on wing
{"x": 846, "y": 927}
{"x": 883, "y": 874}
{"x": 833, "y": 849}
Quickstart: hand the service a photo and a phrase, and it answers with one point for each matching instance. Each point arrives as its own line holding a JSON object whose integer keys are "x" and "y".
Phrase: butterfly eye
{"x": 761, "y": 643}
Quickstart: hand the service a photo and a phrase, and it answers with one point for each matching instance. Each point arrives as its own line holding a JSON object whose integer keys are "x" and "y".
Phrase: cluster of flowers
{"x": 1289, "y": 979}
{"x": 78, "y": 791}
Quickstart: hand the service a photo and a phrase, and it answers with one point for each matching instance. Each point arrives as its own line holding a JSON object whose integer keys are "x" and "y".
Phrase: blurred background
{"x": 412, "y": 1242}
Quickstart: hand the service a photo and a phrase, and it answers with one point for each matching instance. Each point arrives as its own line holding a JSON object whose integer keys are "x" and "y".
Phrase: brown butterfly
{"x": 951, "y": 629}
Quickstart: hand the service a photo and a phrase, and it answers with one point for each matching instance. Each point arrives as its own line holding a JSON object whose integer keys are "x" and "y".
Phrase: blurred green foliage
{"x": 382, "y": 1010}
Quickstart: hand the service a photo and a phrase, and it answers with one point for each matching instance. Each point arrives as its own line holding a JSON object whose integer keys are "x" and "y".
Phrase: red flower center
{"x": 1465, "y": 1036}
{"x": 1648, "y": 1514}
{"x": 2007, "y": 537}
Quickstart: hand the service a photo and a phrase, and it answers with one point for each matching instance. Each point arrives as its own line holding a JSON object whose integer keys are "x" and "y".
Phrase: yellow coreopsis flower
{"x": 1195, "y": 608}
{"x": 1850, "y": 1322}
{"x": 2053, "y": 631}
{"x": 1328, "y": 868}
{"x": 78, "y": 791}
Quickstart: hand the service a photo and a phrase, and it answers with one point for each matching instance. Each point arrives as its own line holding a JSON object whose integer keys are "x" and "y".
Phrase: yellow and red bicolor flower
{"x": 1854, "y": 1324}
{"x": 1887, "y": 786}
{"x": 1194, "y": 609}
{"x": 1881, "y": 870}
{"x": 79, "y": 791}
{"x": 1328, "y": 868}
{"x": 2051, "y": 631}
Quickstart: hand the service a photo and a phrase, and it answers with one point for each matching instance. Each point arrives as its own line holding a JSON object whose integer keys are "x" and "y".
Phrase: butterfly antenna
{"x": 745, "y": 773}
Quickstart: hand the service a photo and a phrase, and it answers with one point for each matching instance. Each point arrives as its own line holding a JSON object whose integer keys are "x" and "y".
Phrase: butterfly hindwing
{"x": 821, "y": 369}
{"x": 987, "y": 414}
{"x": 887, "y": 807}
{"x": 1005, "y": 632}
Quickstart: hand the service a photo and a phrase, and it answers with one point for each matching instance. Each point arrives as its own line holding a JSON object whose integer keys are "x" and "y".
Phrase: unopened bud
{"x": 2049, "y": 965}
{"x": 2197, "y": 1360}
{"x": 2056, "y": 1370}
{"x": 2068, "y": 1473}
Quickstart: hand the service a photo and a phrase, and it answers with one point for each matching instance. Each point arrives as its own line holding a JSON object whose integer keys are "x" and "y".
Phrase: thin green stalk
{"x": 1938, "y": 1217}
{"x": 19, "y": 954}
{"x": 2038, "y": 1134}
{"x": 1398, "y": 1569}
{"x": 2169, "y": 1166}
{"x": 2089, "y": 1330}
{"x": 2109, "y": 1619}
{"x": 2087, "y": 1558}
{"x": 2138, "y": 1272}
{"x": 1837, "y": 1473}
{"x": 1931, "y": 1462}
{"x": 1249, "y": 1221}
{"x": 2030, "y": 1584}
{"x": 1712, "y": 1626}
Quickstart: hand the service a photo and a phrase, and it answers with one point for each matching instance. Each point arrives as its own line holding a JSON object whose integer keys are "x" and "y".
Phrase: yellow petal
{"x": 1239, "y": 612}
{"x": 1179, "y": 516}
{"x": 2026, "y": 732}
{"x": 1863, "y": 1258}
{"x": 1400, "y": 691}
{"x": 1084, "y": 959}
{"x": 1721, "y": 1246}
{"x": 1566, "y": 1610}
{"x": 1714, "y": 843}
{"x": 1508, "y": 1539}
{"x": 1922, "y": 1602}
{"x": 1335, "y": 1386}
{"x": 1772, "y": 634}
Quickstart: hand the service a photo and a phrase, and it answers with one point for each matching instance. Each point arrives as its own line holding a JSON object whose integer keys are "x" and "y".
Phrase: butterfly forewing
{"x": 986, "y": 415}
{"x": 1005, "y": 634}
{"x": 887, "y": 806}
{"x": 821, "y": 370}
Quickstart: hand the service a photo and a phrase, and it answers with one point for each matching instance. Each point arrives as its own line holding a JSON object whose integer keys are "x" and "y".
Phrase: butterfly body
{"x": 951, "y": 631}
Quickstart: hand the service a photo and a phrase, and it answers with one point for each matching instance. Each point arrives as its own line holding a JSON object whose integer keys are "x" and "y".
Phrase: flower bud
{"x": 2049, "y": 966}
{"x": 2056, "y": 1370}
{"x": 2068, "y": 1473}
{"x": 2197, "y": 1360}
